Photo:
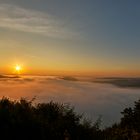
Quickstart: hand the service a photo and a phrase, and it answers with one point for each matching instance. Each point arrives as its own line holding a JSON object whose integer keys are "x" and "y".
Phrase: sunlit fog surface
{"x": 90, "y": 98}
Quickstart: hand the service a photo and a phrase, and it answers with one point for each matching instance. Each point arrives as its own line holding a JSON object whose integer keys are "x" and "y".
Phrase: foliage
{"x": 54, "y": 121}
{"x": 129, "y": 126}
{"x": 43, "y": 121}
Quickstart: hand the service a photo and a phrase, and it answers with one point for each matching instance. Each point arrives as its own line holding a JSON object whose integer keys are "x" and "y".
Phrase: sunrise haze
{"x": 70, "y": 37}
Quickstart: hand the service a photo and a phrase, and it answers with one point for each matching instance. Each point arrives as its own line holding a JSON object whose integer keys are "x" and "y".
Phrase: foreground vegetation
{"x": 53, "y": 121}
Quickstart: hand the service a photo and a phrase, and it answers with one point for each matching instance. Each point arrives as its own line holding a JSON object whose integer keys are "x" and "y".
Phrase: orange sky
{"x": 81, "y": 39}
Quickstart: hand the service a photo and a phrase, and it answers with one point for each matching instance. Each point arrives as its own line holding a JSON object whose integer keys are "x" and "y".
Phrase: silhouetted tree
{"x": 129, "y": 126}
{"x": 55, "y": 121}
{"x": 44, "y": 121}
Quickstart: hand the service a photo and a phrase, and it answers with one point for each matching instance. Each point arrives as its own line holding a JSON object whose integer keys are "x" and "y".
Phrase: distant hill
{"x": 120, "y": 82}
{"x": 7, "y": 76}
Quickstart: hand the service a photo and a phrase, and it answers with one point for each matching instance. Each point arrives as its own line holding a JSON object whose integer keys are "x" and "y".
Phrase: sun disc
{"x": 18, "y": 68}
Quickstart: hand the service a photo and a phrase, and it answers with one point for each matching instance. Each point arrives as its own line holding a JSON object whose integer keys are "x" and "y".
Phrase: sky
{"x": 89, "y": 37}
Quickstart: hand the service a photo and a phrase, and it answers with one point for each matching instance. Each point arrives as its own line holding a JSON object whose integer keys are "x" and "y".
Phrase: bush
{"x": 43, "y": 121}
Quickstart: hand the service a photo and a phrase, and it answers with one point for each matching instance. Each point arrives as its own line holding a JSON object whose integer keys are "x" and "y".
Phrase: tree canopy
{"x": 55, "y": 121}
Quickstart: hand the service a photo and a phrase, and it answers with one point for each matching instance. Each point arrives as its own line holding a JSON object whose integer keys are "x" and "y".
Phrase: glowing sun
{"x": 18, "y": 69}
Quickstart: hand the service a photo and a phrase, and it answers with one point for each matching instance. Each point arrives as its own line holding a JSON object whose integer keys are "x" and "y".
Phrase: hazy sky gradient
{"x": 85, "y": 36}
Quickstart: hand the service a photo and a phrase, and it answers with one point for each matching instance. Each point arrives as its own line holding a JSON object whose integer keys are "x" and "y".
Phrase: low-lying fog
{"x": 88, "y": 97}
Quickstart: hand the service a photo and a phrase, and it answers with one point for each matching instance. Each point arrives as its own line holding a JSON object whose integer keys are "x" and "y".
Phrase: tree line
{"x": 24, "y": 120}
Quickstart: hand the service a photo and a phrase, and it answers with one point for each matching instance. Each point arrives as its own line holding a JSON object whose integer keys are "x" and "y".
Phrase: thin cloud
{"x": 17, "y": 18}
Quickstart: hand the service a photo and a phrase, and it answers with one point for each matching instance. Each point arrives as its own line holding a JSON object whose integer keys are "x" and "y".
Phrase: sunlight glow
{"x": 18, "y": 69}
